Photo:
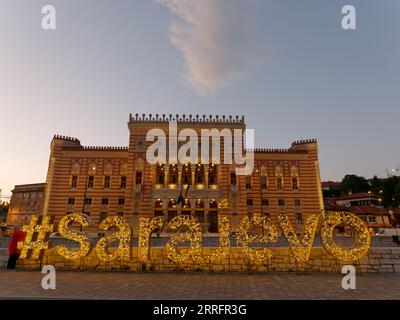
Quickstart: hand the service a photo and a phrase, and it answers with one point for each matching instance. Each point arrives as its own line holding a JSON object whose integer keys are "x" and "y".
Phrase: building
{"x": 358, "y": 199}
{"x": 367, "y": 207}
{"x": 103, "y": 181}
{"x": 26, "y": 200}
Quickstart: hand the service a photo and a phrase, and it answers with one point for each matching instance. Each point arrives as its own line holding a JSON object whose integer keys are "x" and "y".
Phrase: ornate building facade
{"x": 103, "y": 181}
{"x": 26, "y": 200}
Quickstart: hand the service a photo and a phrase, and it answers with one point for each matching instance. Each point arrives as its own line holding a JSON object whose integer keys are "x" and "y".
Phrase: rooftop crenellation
{"x": 299, "y": 142}
{"x": 186, "y": 118}
{"x": 95, "y": 148}
{"x": 65, "y": 138}
{"x": 269, "y": 150}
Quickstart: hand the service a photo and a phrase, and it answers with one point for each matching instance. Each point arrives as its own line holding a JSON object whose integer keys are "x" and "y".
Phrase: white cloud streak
{"x": 217, "y": 39}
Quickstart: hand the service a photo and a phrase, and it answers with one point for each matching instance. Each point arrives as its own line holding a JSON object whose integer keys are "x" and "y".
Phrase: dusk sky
{"x": 287, "y": 66}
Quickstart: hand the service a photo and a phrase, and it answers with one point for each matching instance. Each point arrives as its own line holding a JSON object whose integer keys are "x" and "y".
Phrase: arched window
{"x": 158, "y": 208}
{"x": 279, "y": 177}
{"x": 248, "y": 182}
{"x": 173, "y": 174}
{"x": 213, "y": 216}
{"x": 172, "y": 210}
{"x": 160, "y": 174}
{"x": 294, "y": 173}
{"x": 263, "y": 177}
{"x": 199, "y": 174}
{"x": 212, "y": 175}
{"x": 186, "y": 207}
{"x": 199, "y": 210}
{"x": 187, "y": 174}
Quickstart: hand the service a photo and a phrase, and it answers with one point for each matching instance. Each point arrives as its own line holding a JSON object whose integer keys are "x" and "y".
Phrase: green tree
{"x": 3, "y": 210}
{"x": 391, "y": 191}
{"x": 354, "y": 184}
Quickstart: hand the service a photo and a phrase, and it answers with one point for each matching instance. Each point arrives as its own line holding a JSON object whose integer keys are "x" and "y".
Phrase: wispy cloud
{"x": 217, "y": 39}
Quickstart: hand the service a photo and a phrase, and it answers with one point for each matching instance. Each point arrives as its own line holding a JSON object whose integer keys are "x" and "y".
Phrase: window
{"x": 279, "y": 183}
{"x": 103, "y": 215}
{"x": 138, "y": 177}
{"x": 104, "y": 201}
{"x": 264, "y": 202}
{"x": 295, "y": 183}
{"x": 87, "y": 213}
{"x": 248, "y": 182}
{"x": 121, "y": 201}
{"x": 173, "y": 173}
{"x": 71, "y": 201}
{"x": 213, "y": 216}
{"x": 123, "y": 182}
{"x": 249, "y": 203}
{"x": 233, "y": 178}
{"x": 186, "y": 174}
{"x": 263, "y": 182}
{"x": 160, "y": 174}
{"x": 90, "y": 182}
{"x": 281, "y": 202}
{"x": 120, "y": 214}
{"x": 74, "y": 182}
{"x": 297, "y": 202}
{"x": 279, "y": 177}
{"x": 212, "y": 174}
{"x": 294, "y": 173}
{"x": 88, "y": 201}
{"x": 199, "y": 210}
{"x": 158, "y": 208}
{"x": 107, "y": 180}
{"x": 372, "y": 219}
{"x": 199, "y": 174}
{"x": 299, "y": 218}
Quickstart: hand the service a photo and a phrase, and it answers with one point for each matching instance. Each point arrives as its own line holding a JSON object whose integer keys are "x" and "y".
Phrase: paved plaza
{"x": 119, "y": 285}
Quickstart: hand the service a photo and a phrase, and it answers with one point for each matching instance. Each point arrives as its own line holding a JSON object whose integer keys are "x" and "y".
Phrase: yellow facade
{"x": 103, "y": 181}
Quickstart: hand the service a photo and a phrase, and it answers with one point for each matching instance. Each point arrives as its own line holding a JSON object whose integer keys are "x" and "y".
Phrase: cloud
{"x": 218, "y": 40}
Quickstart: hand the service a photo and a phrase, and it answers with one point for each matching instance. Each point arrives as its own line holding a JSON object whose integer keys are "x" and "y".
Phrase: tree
{"x": 391, "y": 191}
{"x": 3, "y": 210}
{"x": 354, "y": 184}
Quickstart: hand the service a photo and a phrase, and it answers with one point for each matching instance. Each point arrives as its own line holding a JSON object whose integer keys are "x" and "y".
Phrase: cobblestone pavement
{"x": 91, "y": 285}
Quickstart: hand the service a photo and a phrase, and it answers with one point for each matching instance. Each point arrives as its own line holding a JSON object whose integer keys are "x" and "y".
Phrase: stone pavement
{"x": 97, "y": 285}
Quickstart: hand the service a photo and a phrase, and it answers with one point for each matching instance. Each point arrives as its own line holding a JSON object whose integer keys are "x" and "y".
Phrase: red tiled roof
{"x": 360, "y": 195}
{"x": 363, "y": 209}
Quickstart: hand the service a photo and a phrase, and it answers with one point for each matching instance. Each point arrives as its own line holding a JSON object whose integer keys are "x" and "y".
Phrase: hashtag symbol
{"x": 37, "y": 237}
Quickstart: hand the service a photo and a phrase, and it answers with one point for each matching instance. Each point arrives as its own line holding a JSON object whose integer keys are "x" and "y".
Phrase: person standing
{"x": 13, "y": 251}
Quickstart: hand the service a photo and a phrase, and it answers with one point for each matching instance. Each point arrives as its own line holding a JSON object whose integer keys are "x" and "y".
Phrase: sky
{"x": 288, "y": 66}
